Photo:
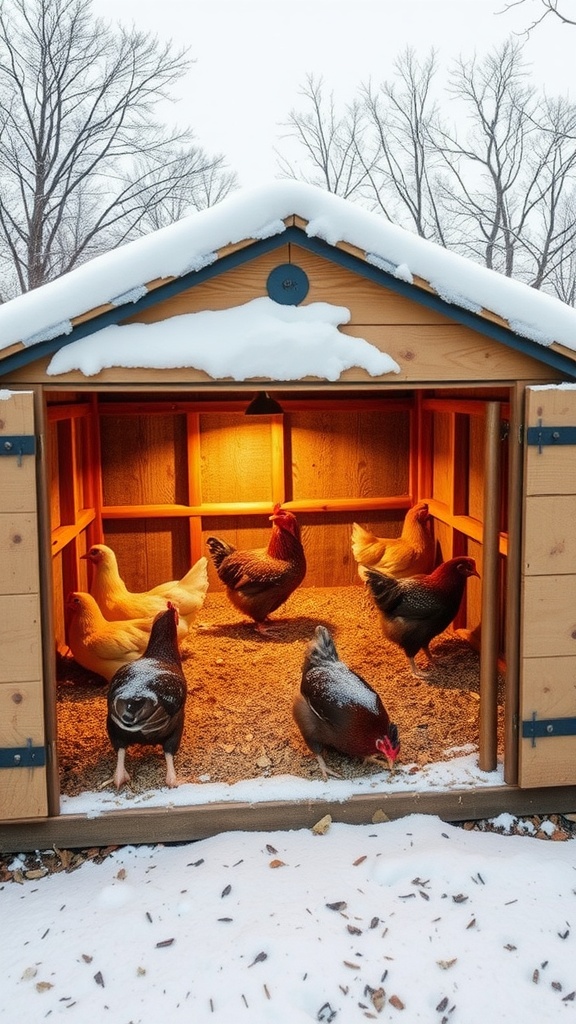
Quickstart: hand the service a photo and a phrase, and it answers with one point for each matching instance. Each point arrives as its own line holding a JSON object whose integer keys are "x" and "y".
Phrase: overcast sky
{"x": 252, "y": 56}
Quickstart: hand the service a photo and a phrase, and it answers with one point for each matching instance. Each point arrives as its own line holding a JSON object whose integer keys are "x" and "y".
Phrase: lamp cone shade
{"x": 263, "y": 405}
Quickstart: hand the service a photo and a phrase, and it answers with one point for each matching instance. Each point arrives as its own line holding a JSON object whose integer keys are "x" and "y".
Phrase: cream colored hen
{"x": 101, "y": 646}
{"x": 117, "y": 602}
{"x": 408, "y": 555}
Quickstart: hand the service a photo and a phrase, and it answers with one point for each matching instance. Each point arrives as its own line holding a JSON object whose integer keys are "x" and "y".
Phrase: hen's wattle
{"x": 146, "y": 699}
{"x": 415, "y": 610}
{"x": 337, "y": 708}
{"x": 260, "y": 580}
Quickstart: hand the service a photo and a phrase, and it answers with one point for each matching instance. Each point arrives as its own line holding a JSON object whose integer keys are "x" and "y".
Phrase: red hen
{"x": 259, "y": 580}
{"x": 415, "y": 610}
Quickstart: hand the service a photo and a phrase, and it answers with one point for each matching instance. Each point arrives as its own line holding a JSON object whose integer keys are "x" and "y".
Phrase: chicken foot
{"x": 121, "y": 775}
{"x": 422, "y": 673}
{"x": 326, "y": 771}
{"x": 171, "y": 778}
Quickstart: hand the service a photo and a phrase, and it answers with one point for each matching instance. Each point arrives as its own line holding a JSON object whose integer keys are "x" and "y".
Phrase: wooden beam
{"x": 488, "y": 718}
{"x": 70, "y": 411}
{"x": 94, "y": 472}
{"x": 466, "y": 406}
{"x": 466, "y": 525}
{"x": 513, "y": 587}
{"x": 194, "y": 481}
{"x": 278, "y": 431}
{"x": 46, "y": 608}
{"x": 400, "y": 501}
{"x": 63, "y": 535}
{"x": 333, "y": 404}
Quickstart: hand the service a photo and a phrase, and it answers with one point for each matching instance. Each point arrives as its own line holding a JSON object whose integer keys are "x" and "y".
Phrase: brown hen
{"x": 260, "y": 580}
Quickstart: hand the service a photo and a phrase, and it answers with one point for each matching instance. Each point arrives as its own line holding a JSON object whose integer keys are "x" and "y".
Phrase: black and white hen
{"x": 146, "y": 699}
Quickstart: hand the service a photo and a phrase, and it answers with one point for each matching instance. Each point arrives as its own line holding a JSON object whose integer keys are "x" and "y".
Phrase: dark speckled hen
{"x": 260, "y": 580}
{"x": 146, "y": 699}
{"x": 337, "y": 708}
{"x": 415, "y": 610}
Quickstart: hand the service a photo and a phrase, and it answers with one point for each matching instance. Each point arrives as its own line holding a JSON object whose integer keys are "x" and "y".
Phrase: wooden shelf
{"x": 64, "y": 535}
{"x": 466, "y": 525}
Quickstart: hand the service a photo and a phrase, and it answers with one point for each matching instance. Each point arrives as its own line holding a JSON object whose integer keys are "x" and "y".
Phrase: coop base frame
{"x": 187, "y": 824}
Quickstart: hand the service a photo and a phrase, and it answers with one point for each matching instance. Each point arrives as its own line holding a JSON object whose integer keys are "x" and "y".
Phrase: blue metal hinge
{"x": 18, "y": 445}
{"x": 547, "y": 437}
{"x": 23, "y": 757}
{"x": 534, "y": 728}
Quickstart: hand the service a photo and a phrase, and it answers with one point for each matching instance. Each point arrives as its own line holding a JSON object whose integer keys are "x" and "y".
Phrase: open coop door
{"x": 23, "y": 786}
{"x": 548, "y": 625}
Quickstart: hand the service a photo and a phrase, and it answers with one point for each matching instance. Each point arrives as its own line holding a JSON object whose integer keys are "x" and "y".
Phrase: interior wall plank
{"x": 351, "y": 454}
{"x": 144, "y": 460}
{"x": 149, "y": 551}
{"x": 236, "y": 458}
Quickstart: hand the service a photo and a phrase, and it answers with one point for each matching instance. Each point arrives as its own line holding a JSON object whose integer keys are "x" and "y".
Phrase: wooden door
{"x": 547, "y": 755}
{"x": 23, "y": 788}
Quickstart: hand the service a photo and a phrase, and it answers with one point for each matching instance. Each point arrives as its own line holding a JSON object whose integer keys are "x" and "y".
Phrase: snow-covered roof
{"x": 124, "y": 274}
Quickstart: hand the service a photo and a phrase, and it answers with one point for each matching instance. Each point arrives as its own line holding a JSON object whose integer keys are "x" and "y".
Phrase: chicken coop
{"x": 106, "y": 437}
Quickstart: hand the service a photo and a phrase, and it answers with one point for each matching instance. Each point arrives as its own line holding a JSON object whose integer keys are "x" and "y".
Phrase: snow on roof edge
{"x": 260, "y": 212}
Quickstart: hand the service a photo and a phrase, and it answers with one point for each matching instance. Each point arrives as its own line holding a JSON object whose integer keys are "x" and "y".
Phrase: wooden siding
{"x": 23, "y": 791}
{"x": 428, "y": 346}
{"x": 548, "y": 639}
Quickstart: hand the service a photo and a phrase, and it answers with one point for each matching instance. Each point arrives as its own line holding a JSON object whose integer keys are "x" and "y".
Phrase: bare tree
{"x": 404, "y": 167}
{"x": 331, "y": 141}
{"x": 561, "y": 9}
{"x": 84, "y": 163}
{"x": 508, "y": 179}
{"x": 496, "y": 181}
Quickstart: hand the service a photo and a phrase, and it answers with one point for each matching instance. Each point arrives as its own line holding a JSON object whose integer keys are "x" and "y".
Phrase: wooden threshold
{"x": 186, "y": 824}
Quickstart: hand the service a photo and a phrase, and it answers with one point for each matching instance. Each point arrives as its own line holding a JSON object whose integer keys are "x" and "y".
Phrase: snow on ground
{"x": 411, "y": 920}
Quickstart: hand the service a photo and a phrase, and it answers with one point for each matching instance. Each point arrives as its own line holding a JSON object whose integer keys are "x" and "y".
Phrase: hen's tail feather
{"x": 384, "y": 589}
{"x": 360, "y": 537}
{"x": 321, "y": 649}
{"x": 218, "y": 549}
{"x": 197, "y": 575}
